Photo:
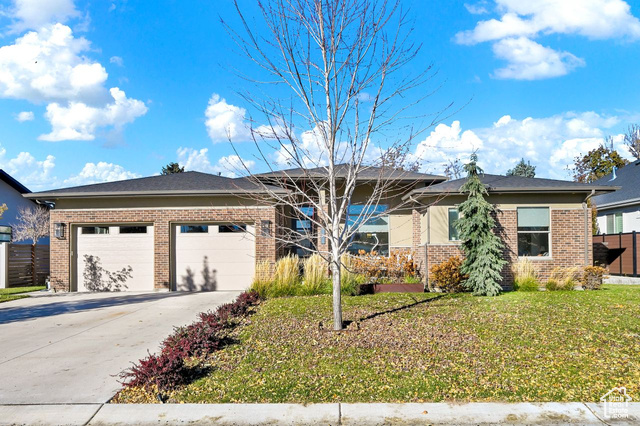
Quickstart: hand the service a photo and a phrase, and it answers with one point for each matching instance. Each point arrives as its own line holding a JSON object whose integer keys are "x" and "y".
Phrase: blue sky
{"x": 107, "y": 90}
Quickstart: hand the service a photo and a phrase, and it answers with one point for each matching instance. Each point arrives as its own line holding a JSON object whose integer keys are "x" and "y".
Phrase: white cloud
{"x": 479, "y": 8}
{"x": 34, "y": 14}
{"x": 100, "y": 172}
{"x": 528, "y": 60}
{"x": 117, "y": 60}
{"x": 198, "y": 160}
{"x": 226, "y": 121}
{"x": 25, "y": 116}
{"x": 50, "y": 66}
{"x": 33, "y": 173}
{"x": 550, "y": 143}
{"x": 522, "y": 21}
{"x": 78, "y": 121}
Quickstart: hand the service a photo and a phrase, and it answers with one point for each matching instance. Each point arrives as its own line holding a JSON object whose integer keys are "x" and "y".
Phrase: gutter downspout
{"x": 587, "y": 227}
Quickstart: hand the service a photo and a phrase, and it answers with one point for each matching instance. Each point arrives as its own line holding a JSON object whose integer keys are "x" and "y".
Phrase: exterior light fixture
{"x": 58, "y": 230}
{"x": 265, "y": 228}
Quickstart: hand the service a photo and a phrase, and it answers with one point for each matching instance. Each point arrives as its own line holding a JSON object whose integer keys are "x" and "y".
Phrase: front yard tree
{"x": 33, "y": 224}
{"x": 482, "y": 248}
{"x": 339, "y": 66}
{"x": 523, "y": 169}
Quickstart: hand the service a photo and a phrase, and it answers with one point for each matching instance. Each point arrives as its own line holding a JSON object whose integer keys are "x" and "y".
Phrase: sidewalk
{"x": 315, "y": 414}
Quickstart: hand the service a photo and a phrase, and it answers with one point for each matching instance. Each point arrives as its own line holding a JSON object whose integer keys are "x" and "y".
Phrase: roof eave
{"x": 115, "y": 194}
{"x": 421, "y": 192}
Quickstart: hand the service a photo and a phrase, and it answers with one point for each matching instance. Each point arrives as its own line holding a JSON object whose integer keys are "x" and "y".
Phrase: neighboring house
{"x": 619, "y": 211}
{"x": 11, "y": 194}
{"x": 195, "y": 231}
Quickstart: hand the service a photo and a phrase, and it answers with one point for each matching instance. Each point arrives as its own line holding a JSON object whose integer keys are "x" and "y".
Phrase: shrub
{"x": 392, "y": 268}
{"x": 524, "y": 276}
{"x": 316, "y": 276}
{"x": 262, "y": 279}
{"x": 350, "y": 280}
{"x": 592, "y": 277}
{"x": 563, "y": 279}
{"x": 171, "y": 368}
{"x": 447, "y": 275}
{"x": 411, "y": 279}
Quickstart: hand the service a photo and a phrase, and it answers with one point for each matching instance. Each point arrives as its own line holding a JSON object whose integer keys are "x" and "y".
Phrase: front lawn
{"x": 541, "y": 346}
{"x": 13, "y": 293}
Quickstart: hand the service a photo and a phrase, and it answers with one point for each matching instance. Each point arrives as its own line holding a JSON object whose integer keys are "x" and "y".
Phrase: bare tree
{"x": 33, "y": 224}
{"x": 340, "y": 64}
{"x": 454, "y": 169}
{"x": 632, "y": 140}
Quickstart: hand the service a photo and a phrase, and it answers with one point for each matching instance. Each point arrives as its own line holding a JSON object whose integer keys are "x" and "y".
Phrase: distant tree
{"x": 632, "y": 140}
{"x": 482, "y": 248}
{"x": 454, "y": 169}
{"x": 597, "y": 163}
{"x": 523, "y": 169}
{"x": 33, "y": 224}
{"x": 172, "y": 168}
{"x": 3, "y": 208}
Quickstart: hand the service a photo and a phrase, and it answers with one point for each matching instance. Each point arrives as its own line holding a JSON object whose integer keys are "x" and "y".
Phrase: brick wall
{"x": 161, "y": 220}
{"x": 567, "y": 244}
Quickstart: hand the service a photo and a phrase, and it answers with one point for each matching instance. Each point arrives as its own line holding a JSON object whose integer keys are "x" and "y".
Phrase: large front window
{"x": 533, "y": 231}
{"x": 303, "y": 232}
{"x": 372, "y": 229}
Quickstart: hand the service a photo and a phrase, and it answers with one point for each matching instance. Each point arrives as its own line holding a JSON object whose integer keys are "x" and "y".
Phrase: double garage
{"x": 203, "y": 257}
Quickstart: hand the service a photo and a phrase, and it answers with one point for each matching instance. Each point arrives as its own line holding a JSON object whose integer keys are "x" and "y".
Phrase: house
{"x": 11, "y": 194}
{"x": 619, "y": 211}
{"x": 195, "y": 231}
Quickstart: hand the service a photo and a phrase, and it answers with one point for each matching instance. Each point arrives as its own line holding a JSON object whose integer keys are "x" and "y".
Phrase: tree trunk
{"x": 34, "y": 275}
{"x": 337, "y": 296}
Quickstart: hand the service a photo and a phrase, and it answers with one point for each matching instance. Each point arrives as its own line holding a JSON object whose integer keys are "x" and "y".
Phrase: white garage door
{"x": 114, "y": 258}
{"x": 213, "y": 257}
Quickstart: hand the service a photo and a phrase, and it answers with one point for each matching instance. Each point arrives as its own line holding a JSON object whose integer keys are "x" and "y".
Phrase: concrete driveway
{"x": 69, "y": 348}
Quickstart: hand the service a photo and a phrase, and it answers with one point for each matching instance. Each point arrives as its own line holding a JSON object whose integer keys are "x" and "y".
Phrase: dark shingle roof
{"x": 498, "y": 183}
{"x": 367, "y": 173}
{"x": 187, "y": 183}
{"x": 628, "y": 179}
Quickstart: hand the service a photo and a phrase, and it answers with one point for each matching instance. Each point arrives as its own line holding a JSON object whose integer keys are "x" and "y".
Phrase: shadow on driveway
{"x": 85, "y": 303}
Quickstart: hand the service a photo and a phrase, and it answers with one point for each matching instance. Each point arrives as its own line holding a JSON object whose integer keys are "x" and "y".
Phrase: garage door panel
{"x": 214, "y": 260}
{"x": 111, "y": 253}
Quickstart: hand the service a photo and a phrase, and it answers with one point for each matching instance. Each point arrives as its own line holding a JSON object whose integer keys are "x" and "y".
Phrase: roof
{"x": 628, "y": 179}
{"x": 187, "y": 183}
{"x": 367, "y": 173}
{"x": 514, "y": 184}
{"x": 9, "y": 180}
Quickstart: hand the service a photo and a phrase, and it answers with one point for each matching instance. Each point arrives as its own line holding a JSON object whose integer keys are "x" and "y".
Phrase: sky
{"x": 108, "y": 90}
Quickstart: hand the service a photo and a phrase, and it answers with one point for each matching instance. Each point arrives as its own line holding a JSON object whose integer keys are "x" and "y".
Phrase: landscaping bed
{"x": 14, "y": 293}
{"x": 536, "y": 346}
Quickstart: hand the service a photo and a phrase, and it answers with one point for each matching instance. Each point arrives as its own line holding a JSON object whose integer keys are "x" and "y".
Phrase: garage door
{"x": 213, "y": 257}
{"x": 114, "y": 258}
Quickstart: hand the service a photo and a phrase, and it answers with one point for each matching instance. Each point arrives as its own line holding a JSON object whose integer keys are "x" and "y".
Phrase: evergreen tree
{"x": 482, "y": 247}
{"x": 523, "y": 169}
{"x": 172, "y": 168}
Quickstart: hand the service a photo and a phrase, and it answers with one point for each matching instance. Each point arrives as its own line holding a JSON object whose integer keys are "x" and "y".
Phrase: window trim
{"x": 549, "y": 232}
{"x": 182, "y": 232}
{"x": 449, "y": 225}
{"x": 83, "y": 227}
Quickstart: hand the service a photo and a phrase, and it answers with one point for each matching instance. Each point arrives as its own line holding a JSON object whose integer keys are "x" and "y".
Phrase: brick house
{"x": 196, "y": 231}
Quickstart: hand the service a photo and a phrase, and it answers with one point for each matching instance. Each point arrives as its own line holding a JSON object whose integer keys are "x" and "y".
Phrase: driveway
{"x": 69, "y": 348}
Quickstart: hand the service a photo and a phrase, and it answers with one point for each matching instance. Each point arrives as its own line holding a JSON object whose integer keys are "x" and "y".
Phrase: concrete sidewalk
{"x": 316, "y": 414}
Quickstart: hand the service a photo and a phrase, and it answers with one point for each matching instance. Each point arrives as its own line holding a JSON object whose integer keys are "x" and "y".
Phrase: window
{"x": 232, "y": 228}
{"x": 303, "y": 232}
{"x": 614, "y": 223}
{"x": 533, "y": 231}
{"x": 453, "y": 231}
{"x": 194, "y": 229}
{"x": 90, "y": 230}
{"x": 5, "y": 234}
{"x": 372, "y": 234}
{"x": 133, "y": 229}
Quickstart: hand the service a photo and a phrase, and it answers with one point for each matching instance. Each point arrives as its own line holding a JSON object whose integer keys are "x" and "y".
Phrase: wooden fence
{"x": 20, "y": 265}
{"x": 618, "y": 253}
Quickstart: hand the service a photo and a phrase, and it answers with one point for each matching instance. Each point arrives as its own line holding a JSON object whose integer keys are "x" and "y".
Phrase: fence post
{"x": 620, "y": 247}
{"x": 635, "y": 255}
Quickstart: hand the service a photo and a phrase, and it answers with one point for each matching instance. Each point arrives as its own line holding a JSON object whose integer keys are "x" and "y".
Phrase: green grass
{"x": 14, "y": 293}
{"x": 538, "y": 346}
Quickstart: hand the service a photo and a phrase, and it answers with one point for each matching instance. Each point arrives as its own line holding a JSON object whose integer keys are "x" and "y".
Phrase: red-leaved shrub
{"x": 169, "y": 370}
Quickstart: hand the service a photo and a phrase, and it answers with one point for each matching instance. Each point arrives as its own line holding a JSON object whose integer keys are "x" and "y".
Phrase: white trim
{"x": 165, "y": 208}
